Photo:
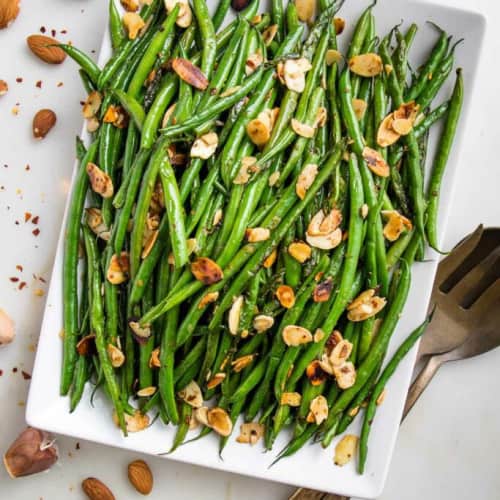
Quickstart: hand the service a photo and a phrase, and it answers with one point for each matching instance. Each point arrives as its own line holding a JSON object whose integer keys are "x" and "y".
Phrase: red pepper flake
{"x": 42, "y": 280}
{"x": 14, "y": 279}
{"x": 43, "y": 29}
{"x": 60, "y": 84}
{"x": 27, "y": 167}
{"x": 26, "y": 375}
{"x": 22, "y": 285}
{"x": 36, "y": 232}
{"x": 77, "y": 446}
{"x": 64, "y": 31}
{"x": 35, "y": 219}
{"x": 38, "y": 84}
{"x": 14, "y": 370}
{"x": 54, "y": 33}
{"x": 16, "y": 223}
{"x": 1, "y": 373}
{"x": 19, "y": 268}
{"x": 27, "y": 216}
{"x": 19, "y": 79}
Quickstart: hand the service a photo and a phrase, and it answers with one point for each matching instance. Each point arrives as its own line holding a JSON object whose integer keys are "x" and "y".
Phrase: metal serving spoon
{"x": 466, "y": 321}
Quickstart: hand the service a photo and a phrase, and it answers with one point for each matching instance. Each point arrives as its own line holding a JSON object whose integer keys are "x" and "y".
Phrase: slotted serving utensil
{"x": 466, "y": 321}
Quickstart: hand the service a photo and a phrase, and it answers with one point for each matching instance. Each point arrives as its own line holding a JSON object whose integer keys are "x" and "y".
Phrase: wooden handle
{"x": 305, "y": 494}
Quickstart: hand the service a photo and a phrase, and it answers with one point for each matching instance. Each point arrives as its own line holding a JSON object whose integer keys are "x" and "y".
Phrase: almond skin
{"x": 43, "y": 122}
{"x": 140, "y": 476}
{"x": 9, "y": 9}
{"x": 96, "y": 490}
{"x": 43, "y": 47}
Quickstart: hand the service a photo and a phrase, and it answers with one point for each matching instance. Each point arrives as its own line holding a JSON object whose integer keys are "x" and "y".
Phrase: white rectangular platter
{"x": 312, "y": 467}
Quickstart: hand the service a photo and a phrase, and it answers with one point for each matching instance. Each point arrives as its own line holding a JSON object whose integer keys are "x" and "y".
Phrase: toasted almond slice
{"x": 345, "y": 450}
{"x": 167, "y": 115}
{"x": 286, "y": 296}
{"x": 250, "y": 433}
{"x": 300, "y": 251}
{"x": 100, "y": 181}
{"x": 270, "y": 259}
{"x": 340, "y": 353}
{"x": 185, "y": 16}
{"x": 302, "y": 129}
{"x": 154, "y": 359}
{"x": 321, "y": 117}
{"x": 230, "y": 91}
{"x": 306, "y": 10}
{"x": 367, "y": 65}
{"x": 386, "y": 136}
{"x": 204, "y": 147}
{"x": 402, "y": 126}
{"x": 319, "y": 335}
{"x": 216, "y": 380}
{"x": 306, "y": 179}
{"x": 376, "y": 162}
{"x": 217, "y": 217}
{"x": 140, "y": 332}
{"x": 206, "y": 270}
{"x": 92, "y": 124}
{"x": 396, "y": 224}
{"x": 256, "y": 19}
{"x": 146, "y": 392}
{"x": 257, "y": 234}
{"x": 315, "y": 373}
{"x": 381, "y": 397}
{"x": 408, "y": 111}
{"x": 150, "y": 243}
{"x": 339, "y": 25}
{"x": 323, "y": 290}
{"x": 259, "y": 129}
{"x": 294, "y": 71}
{"x": 323, "y": 224}
{"x": 242, "y": 362}
{"x": 133, "y": 23}
{"x": 118, "y": 269}
{"x": 352, "y": 413}
{"x": 326, "y": 242}
{"x": 296, "y": 335}
{"x": 359, "y": 106}
{"x": 242, "y": 177}
{"x": 325, "y": 364}
{"x": 262, "y": 323}
{"x": 219, "y": 421}
{"x": 333, "y": 57}
{"x": 190, "y": 73}
{"x": 364, "y": 210}
{"x": 274, "y": 178}
{"x": 291, "y": 399}
{"x": 234, "y": 315}
{"x": 134, "y": 423}
{"x": 191, "y": 394}
{"x": 319, "y": 409}
{"x": 253, "y": 62}
{"x": 115, "y": 355}
{"x": 92, "y": 104}
{"x": 269, "y": 33}
{"x": 96, "y": 223}
{"x": 130, "y": 5}
{"x": 85, "y": 346}
{"x": 362, "y": 298}
{"x": 367, "y": 309}
{"x": 208, "y": 298}
{"x": 345, "y": 375}
{"x": 201, "y": 414}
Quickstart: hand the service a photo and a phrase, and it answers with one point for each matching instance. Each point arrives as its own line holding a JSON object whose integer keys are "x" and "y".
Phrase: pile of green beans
{"x": 175, "y": 288}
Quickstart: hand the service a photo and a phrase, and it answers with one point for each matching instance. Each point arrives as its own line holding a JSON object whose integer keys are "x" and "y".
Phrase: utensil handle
{"x": 421, "y": 382}
{"x": 305, "y": 494}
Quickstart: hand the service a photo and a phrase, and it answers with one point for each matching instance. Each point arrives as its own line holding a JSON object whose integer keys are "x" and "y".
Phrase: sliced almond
{"x": 302, "y": 129}
{"x": 118, "y": 269}
{"x": 364, "y": 210}
{"x": 340, "y": 353}
{"x": 216, "y": 380}
{"x": 286, "y": 296}
{"x": 367, "y": 65}
{"x": 386, "y": 136}
{"x": 306, "y": 179}
{"x": 185, "y": 16}
{"x": 217, "y": 217}
{"x": 235, "y": 314}
{"x": 315, "y": 373}
{"x": 359, "y": 106}
{"x": 262, "y": 323}
{"x": 133, "y": 23}
{"x": 269, "y": 33}
{"x": 191, "y": 394}
{"x": 321, "y": 117}
{"x": 190, "y": 73}
{"x": 219, "y": 421}
{"x": 270, "y": 259}
{"x": 326, "y": 242}
{"x": 147, "y": 392}
{"x": 333, "y": 57}
{"x": 402, "y": 126}
{"x": 395, "y": 225}
{"x": 408, "y": 110}
{"x": 339, "y": 25}
{"x": 116, "y": 115}
{"x": 154, "y": 359}
{"x": 253, "y": 62}
{"x": 206, "y": 270}
{"x": 115, "y": 355}
{"x": 201, "y": 414}
{"x": 291, "y": 399}
{"x": 150, "y": 243}
{"x": 259, "y": 129}
{"x": 130, "y": 5}
{"x": 381, "y": 397}
{"x": 319, "y": 409}
{"x": 257, "y": 234}
{"x": 92, "y": 104}
{"x": 323, "y": 290}
{"x": 345, "y": 375}
{"x": 205, "y": 146}
{"x": 345, "y": 450}
{"x": 300, "y": 251}
{"x": 376, "y": 162}
{"x": 168, "y": 114}
{"x": 140, "y": 332}
{"x": 134, "y": 423}
{"x": 96, "y": 223}
{"x": 322, "y": 224}
{"x": 208, "y": 298}
{"x": 296, "y": 335}
{"x": 306, "y": 10}
{"x": 242, "y": 362}
{"x": 85, "y": 347}
{"x": 366, "y": 305}
{"x": 93, "y": 124}
{"x": 294, "y": 71}
{"x": 250, "y": 433}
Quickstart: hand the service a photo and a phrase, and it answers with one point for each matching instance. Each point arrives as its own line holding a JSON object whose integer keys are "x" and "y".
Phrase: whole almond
{"x": 96, "y": 490}
{"x": 44, "y": 48}
{"x": 43, "y": 122}
{"x": 140, "y": 476}
{"x": 9, "y": 9}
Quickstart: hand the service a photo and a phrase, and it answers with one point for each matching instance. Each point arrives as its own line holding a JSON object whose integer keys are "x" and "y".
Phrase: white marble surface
{"x": 447, "y": 448}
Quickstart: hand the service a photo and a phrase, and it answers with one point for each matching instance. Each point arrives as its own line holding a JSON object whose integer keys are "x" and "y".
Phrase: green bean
{"x": 145, "y": 349}
{"x": 132, "y": 107}
{"x": 379, "y": 387}
{"x": 183, "y": 428}
{"x": 296, "y": 443}
{"x": 360, "y": 33}
{"x": 220, "y": 13}
{"x": 277, "y": 15}
{"x": 86, "y": 81}
{"x": 190, "y": 360}
{"x": 83, "y": 60}
{"x": 292, "y": 18}
{"x": 115, "y": 26}
{"x": 441, "y": 159}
